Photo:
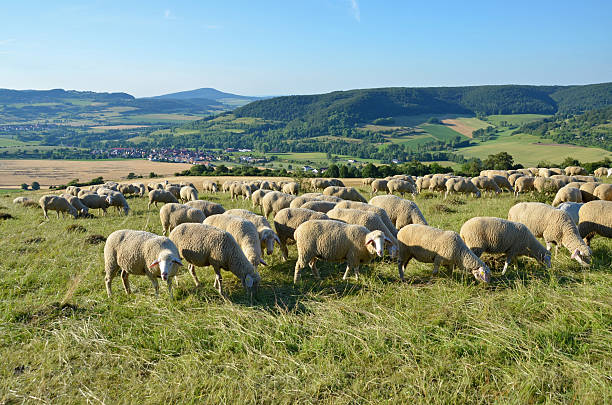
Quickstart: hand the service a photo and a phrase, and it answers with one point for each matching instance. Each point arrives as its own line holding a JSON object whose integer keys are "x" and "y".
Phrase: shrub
{"x": 24, "y": 186}
{"x": 35, "y": 185}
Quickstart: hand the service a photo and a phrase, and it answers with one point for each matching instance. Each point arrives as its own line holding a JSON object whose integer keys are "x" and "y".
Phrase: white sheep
{"x": 595, "y": 218}
{"x": 567, "y": 194}
{"x": 335, "y": 241}
{"x": 401, "y": 212}
{"x": 95, "y": 201}
{"x": 432, "y": 245}
{"x": 346, "y": 193}
{"x": 486, "y": 184}
{"x": 257, "y": 196}
{"x": 140, "y": 253}
{"x": 275, "y": 201}
{"x": 524, "y": 184}
{"x": 291, "y": 188}
{"x": 286, "y": 222}
{"x": 76, "y": 203}
{"x": 172, "y": 215}
{"x": 372, "y": 208}
{"x": 207, "y": 207}
{"x": 461, "y": 185}
{"x": 555, "y": 226}
{"x": 162, "y": 196}
{"x": 267, "y": 236}
{"x": 603, "y": 192}
{"x": 188, "y": 193}
{"x": 204, "y": 245}
{"x": 210, "y": 186}
{"x": 496, "y": 235}
{"x": 572, "y": 209}
{"x": 57, "y": 204}
{"x": 244, "y": 232}
{"x": 116, "y": 199}
{"x": 401, "y": 186}
{"x": 379, "y": 185}
{"x": 320, "y": 206}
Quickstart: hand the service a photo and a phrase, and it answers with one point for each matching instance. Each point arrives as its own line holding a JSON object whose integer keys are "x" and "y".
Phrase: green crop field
{"x": 515, "y": 119}
{"x": 534, "y": 335}
{"x": 442, "y": 133}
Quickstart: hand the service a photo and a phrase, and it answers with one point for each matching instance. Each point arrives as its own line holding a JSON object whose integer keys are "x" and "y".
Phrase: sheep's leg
{"x": 437, "y": 262}
{"x": 219, "y": 281}
{"x": 170, "y": 288}
{"x": 45, "y": 213}
{"x": 153, "y": 281}
{"x": 193, "y": 275}
{"x": 284, "y": 251}
{"x": 57, "y": 212}
{"x": 346, "y": 272}
{"x": 109, "y": 280}
{"x": 299, "y": 265}
{"x": 126, "y": 282}
{"x": 556, "y": 250}
{"x": 356, "y": 270}
{"x": 401, "y": 267}
{"x": 313, "y": 267}
{"x": 507, "y": 263}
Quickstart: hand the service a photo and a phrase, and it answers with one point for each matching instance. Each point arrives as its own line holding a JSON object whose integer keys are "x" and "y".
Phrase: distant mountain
{"x": 205, "y": 92}
{"x": 8, "y": 96}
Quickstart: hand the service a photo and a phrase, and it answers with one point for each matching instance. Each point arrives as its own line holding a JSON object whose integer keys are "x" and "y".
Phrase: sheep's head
{"x": 375, "y": 242}
{"x": 582, "y": 255}
{"x": 267, "y": 238}
{"x": 250, "y": 282}
{"x": 168, "y": 263}
{"x": 482, "y": 274}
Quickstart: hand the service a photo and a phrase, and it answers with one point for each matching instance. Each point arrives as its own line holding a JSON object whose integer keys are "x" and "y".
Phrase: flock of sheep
{"x": 334, "y": 223}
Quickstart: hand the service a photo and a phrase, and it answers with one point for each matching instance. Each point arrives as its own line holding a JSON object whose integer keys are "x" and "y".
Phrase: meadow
{"x": 534, "y": 335}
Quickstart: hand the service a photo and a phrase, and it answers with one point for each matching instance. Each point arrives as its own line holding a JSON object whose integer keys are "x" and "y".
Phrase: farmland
{"x": 534, "y": 335}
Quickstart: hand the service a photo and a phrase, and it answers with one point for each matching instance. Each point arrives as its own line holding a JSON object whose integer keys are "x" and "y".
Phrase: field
{"x": 515, "y": 119}
{"x": 465, "y": 126}
{"x": 52, "y": 172}
{"x": 534, "y": 335}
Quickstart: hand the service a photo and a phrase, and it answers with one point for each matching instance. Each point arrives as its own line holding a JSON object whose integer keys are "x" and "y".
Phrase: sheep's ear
{"x": 277, "y": 239}
{"x": 388, "y": 240}
{"x": 369, "y": 241}
{"x": 262, "y": 262}
{"x": 177, "y": 261}
{"x": 155, "y": 263}
{"x": 248, "y": 281}
{"x": 576, "y": 253}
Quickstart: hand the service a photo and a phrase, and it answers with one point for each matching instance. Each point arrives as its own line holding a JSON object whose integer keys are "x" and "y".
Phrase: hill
{"x": 210, "y": 94}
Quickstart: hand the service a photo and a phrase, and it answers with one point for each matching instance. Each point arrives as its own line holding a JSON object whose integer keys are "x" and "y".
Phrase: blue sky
{"x": 262, "y": 47}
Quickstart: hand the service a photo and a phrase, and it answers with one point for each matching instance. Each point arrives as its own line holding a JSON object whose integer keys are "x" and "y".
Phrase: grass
{"x": 532, "y": 336}
{"x": 515, "y": 119}
{"x": 442, "y": 133}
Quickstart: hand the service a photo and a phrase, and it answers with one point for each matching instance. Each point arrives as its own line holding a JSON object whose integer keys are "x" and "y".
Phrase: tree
{"x": 131, "y": 175}
{"x": 152, "y": 175}
{"x": 570, "y": 162}
{"x": 332, "y": 171}
{"x": 370, "y": 170}
{"x": 35, "y": 185}
{"x": 24, "y": 186}
{"x": 499, "y": 161}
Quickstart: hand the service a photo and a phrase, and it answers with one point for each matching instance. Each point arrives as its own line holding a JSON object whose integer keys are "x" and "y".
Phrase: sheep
{"x": 603, "y": 192}
{"x": 372, "y": 208}
{"x": 601, "y": 172}
{"x": 496, "y": 235}
{"x": 437, "y": 183}
{"x": 574, "y": 184}
{"x": 432, "y": 245}
{"x": 188, "y": 193}
{"x": 422, "y": 183}
{"x": 367, "y": 181}
{"x": 155, "y": 186}
{"x": 162, "y": 196}
{"x": 461, "y": 185}
{"x": 267, "y": 237}
{"x": 513, "y": 177}
{"x": 257, "y": 196}
{"x": 401, "y": 212}
{"x": 116, "y": 199}
{"x": 77, "y": 204}
{"x": 304, "y": 198}
{"x": 291, "y": 188}
{"x": 401, "y": 186}
{"x": 73, "y": 190}
{"x": 236, "y": 190}
{"x": 574, "y": 170}
{"x": 175, "y": 190}
{"x": 486, "y": 184}
{"x": 524, "y": 184}
{"x": 364, "y": 218}
{"x": 245, "y": 233}
{"x": 210, "y": 186}
{"x": 563, "y": 177}
{"x": 556, "y": 170}
{"x": 544, "y": 184}
{"x": 555, "y": 226}
{"x": 94, "y": 201}
{"x": 57, "y": 204}
{"x": 585, "y": 179}
{"x": 140, "y": 253}
{"x": 104, "y": 191}
{"x": 609, "y": 172}
{"x": 567, "y": 194}
{"x": 275, "y": 201}
{"x": 286, "y": 222}
{"x": 207, "y": 207}
{"x": 544, "y": 172}
{"x": 204, "y": 245}
{"x": 141, "y": 189}
{"x": 25, "y": 201}
{"x": 225, "y": 187}
{"x": 379, "y": 185}
{"x": 595, "y": 218}
{"x": 502, "y": 182}
{"x": 346, "y": 193}
{"x": 587, "y": 190}
{"x": 335, "y": 241}
{"x": 126, "y": 189}
{"x": 319, "y": 184}
{"x": 572, "y": 209}
{"x": 172, "y": 215}
{"x": 111, "y": 185}
{"x": 320, "y": 206}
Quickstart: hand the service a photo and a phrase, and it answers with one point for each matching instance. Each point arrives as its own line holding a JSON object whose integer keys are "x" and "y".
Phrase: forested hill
{"x": 359, "y": 106}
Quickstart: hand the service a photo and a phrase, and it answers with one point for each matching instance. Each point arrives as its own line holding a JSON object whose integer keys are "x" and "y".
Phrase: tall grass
{"x": 532, "y": 336}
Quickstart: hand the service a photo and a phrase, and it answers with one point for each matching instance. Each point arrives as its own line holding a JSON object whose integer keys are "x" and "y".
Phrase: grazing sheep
{"x": 291, "y": 188}
{"x": 587, "y": 190}
{"x": 24, "y": 201}
{"x": 496, "y": 235}
{"x": 319, "y": 184}
{"x": 524, "y": 184}
{"x": 162, "y": 196}
{"x": 335, "y": 241}
{"x": 502, "y": 182}
{"x": 567, "y": 194}
{"x": 432, "y": 245}
{"x": 486, "y": 184}
{"x": 401, "y": 212}
{"x": 225, "y": 187}
{"x": 461, "y": 185}
{"x": 207, "y": 207}
{"x": 422, "y": 183}
{"x": 563, "y": 177}
{"x": 556, "y": 170}
{"x": 336, "y": 183}
{"x": 371, "y": 208}
{"x": 346, "y": 193}
{"x": 76, "y": 202}
{"x": 112, "y": 185}
{"x": 95, "y": 201}
{"x": 555, "y": 226}
{"x": 364, "y": 218}
{"x": 188, "y": 193}
{"x": 401, "y": 186}
{"x": 286, "y": 222}
{"x": 204, "y": 245}
{"x": 210, "y": 186}
{"x": 512, "y": 178}
{"x": 141, "y": 189}
{"x": 545, "y": 184}
{"x": 603, "y": 192}
{"x": 245, "y": 233}
{"x": 140, "y": 253}
{"x": 574, "y": 170}
{"x": 585, "y": 179}
{"x": 379, "y": 185}
{"x": 116, "y": 199}
{"x": 574, "y": 184}
{"x": 172, "y": 215}
{"x": 572, "y": 209}
{"x": 57, "y": 204}
{"x": 595, "y": 219}
{"x": 73, "y": 190}
{"x": 275, "y": 201}
{"x": 267, "y": 236}
{"x": 175, "y": 190}
{"x": 265, "y": 185}
{"x": 257, "y": 196}
{"x": 155, "y": 186}
{"x": 320, "y": 206}
{"x": 601, "y": 172}
{"x": 544, "y": 172}
{"x": 367, "y": 181}
{"x": 437, "y": 183}
{"x": 304, "y": 198}
{"x": 126, "y": 189}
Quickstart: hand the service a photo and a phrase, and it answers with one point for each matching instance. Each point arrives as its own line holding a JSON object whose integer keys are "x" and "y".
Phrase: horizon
{"x": 298, "y": 48}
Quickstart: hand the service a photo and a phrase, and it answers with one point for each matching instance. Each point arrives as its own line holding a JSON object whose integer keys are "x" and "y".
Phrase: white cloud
{"x": 168, "y": 15}
{"x": 6, "y": 41}
{"x": 355, "y": 10}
